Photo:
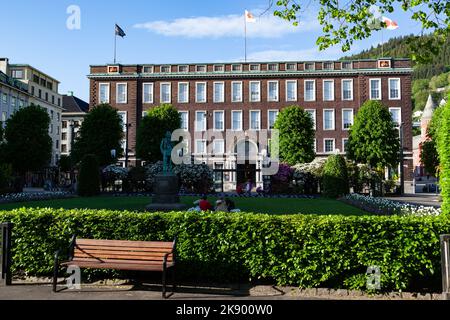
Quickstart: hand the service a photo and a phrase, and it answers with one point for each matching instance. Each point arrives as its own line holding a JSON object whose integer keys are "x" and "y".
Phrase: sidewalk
{"x": 426, "y": 199}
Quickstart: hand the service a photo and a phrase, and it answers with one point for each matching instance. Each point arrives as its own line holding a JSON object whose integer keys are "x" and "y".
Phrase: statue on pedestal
{"x": 166, "y": 150}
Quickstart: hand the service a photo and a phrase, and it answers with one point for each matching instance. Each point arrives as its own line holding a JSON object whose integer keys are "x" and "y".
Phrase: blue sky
{"x": 158, "y": 31}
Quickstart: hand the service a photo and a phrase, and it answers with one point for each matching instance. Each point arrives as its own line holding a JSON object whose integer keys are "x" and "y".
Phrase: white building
{"x": 74, "y": 111}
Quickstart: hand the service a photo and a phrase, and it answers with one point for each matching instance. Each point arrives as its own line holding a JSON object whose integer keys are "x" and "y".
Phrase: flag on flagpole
{"x": 390, "y": 24}
{"x": 249, "y": 17}
{"x": 119, "y": 31}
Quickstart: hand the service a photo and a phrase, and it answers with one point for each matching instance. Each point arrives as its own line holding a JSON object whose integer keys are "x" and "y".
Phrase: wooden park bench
{"x": 120, "y": 255}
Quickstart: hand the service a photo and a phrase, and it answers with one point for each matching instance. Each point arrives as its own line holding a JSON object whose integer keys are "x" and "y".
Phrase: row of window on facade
{"x": 218, "y": 121}
{"x": 237, "y": 67}
{"x": 20, "y": 74}
{"x": 45, "y": 96}
{"x": 254, "y": 94}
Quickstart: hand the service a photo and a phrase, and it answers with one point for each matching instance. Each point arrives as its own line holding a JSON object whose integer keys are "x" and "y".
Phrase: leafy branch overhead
{"x": 343, "y": 23}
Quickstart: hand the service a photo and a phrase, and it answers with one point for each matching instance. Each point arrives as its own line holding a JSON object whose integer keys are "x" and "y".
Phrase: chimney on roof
{"x": 4, "y": 65}
{"x": 70, "y": 93}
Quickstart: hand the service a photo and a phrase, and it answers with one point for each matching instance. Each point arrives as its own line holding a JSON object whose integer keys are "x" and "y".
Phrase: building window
{"x": 5, "y": 98}
{"x": 328, "y": 145}
{"x": 344, "y": 145}
{"x": 347, "y": 65}
{"x": 271, "y": 118}
{"x": 255, "y": 120}
{"x": 147, "y": 93}
{"x": 396, "y": 115}
{"x": 312, "y": 114}
{"x": 148, "y": 69}
{"x": 347, "y": 118}
{"x": 166, "y": 93}
{"x": 328, "y": 119}
{"x": 64, "y": 136}
{"x": 254, "y": 67}
{"x": 310, "y": 90}
{"x": 121, "y": 93}
{"x": 32, "y": 90}
{"x": 272, "y": 66}
{"x": 328, "y": 65}
{"x": 236, "y": 91}
{"x": 17, "y": 74}
{"x": 219, "y": 120}
{"x": 52, "y": 114}
{"x": 291, "y": 66}
{"x": 310, "y": 66}
{"x": 236, "y": 67}
{"x": 328, "y": 90}
{"x": 64, "y": 124}
{"x": 200, "y": 146}
{"x": 53, "y": 99}
{"x": 4, "y": 116}
{"x": 59, "y": 102}
{"x": 200, "y": 92}
{"x": 104, "y": 93}
{"x": 219, "y": 92}
{"x": 200, "y": 120}
{"x": 64, "y": 148}
{"x": 13, "y": 103}
{"x": 219, "y": 68}
{"x": 183, "y": 69}
{"x": 21, "y": 103}
{"x": 40, "y": 94}
{"x": 183, "y": 92}
{"x": 184, "y": 117}
{"x": 255, "y": 91}
{"x": 291, "y": 90}
{"x": 200, "y": 68}
{"x": 236, "y": 120}
{"x": 166, "y": 69}
{"x": 375, "y": 89}
{"x": 394, "y": 89}
{"x": 46, "y": 96}
{"x": 57, "y": 144}
{"x": 272, "y": 91}
{"x": 347, "y": 89}
{"x": 218, "y": 146}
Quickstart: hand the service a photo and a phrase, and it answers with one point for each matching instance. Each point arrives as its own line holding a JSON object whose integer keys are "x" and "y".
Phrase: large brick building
{"x": 246, "y": 97}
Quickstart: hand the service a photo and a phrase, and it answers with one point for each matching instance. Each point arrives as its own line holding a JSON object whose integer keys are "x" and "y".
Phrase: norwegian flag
{"x": 249, "y": 17}
{"x": 390, "y": 24}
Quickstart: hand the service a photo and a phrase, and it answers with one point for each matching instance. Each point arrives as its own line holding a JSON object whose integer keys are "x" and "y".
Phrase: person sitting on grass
{"x": 204, "y": 204}
{"x": 230, "y": 204}
{"x": 248, "y": 187}
{"x": 221, "y": 205}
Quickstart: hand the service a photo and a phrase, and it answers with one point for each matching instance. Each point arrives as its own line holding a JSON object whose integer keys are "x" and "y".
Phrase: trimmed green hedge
{"x": 302, "y": 250}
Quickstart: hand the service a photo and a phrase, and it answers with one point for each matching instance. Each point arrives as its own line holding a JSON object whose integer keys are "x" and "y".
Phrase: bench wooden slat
{"x": 119, "y": 261}
{"x": 119, "y": 266}
{"x": 130, "y": 249}
{"x": 121, "y": 252}
{"x": 122, "y": 256}
{"x": 125, "y": 243}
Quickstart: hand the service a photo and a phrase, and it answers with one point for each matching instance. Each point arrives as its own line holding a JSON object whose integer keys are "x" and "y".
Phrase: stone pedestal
{"x": 165, "y": 189}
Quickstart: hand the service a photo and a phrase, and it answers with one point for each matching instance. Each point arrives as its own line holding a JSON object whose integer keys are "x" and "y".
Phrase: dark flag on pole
{"x": 120, "y": 32}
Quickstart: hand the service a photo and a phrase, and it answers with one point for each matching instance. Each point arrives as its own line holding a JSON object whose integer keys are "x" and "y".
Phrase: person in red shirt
{"x": 204, "y": 204}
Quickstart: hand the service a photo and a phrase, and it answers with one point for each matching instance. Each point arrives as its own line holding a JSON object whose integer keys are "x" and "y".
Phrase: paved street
{"x": 426, "y": 199}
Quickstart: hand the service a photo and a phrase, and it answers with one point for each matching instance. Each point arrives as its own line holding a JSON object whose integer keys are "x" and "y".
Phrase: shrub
{"x": 300, "y": 250}
{"x": 443, "y": 144}
{"x": 136, "y": 179}
{"x": 5, "y": 178}
{"x": 198, "y": 178}
{"x": 307, "y": 176}
{"x": 89, "y": 178}
{"x": 335, "y": 176}
{"x": 281, "y": 181}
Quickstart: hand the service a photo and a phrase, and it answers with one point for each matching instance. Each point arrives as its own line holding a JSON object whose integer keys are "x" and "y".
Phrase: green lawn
{"x": 259, "y": 205}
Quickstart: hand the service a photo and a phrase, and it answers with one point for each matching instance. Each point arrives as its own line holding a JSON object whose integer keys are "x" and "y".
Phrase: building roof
{"x": 5, "y": 79}
{"x": 429, "y": 109}
{"x": 74, "y": 104}
{"x": 21, "y": 65}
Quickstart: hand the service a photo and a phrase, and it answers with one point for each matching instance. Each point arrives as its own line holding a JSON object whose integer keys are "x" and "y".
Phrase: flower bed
{"x": 35, "y": 196}
{"x": 390, "y": 207}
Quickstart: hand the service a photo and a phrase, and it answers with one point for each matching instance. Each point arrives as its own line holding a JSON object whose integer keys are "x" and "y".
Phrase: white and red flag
{"x": 249, "y": 17}
{"x": 390, "y": 24}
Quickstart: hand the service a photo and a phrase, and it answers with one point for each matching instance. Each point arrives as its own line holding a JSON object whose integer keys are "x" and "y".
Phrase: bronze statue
{"x": 166, "y": 150}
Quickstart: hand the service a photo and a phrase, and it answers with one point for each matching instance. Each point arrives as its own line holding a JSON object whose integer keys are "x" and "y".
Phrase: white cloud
{"x": 227, "y": 26}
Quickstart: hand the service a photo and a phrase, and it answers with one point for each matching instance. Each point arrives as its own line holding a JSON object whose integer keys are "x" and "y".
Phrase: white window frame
{"x": 205, "y": 123}
{"x": 342, "y": 89}
{"x": 151, "y": 84}
{"x": 332, "y": 89}
{"x": 183, "y": 65}
{"x": 399, "y": 89}
{"x": 232, "y": 91}
{"x": 161, "y": 92}
{"x": 325, "y": 146}
{"x": 353, "y": 117}
{"x": 295, "y": 91}
{"x": 343, "y": 145}
{"x": 196, "y": 146}
{"x": 222, "y": 98}
{"x": 108, "y": 85}
{"x": 268, "y": 117}
{"x": 219, "y": 65}
{"x": 334, "y": 119}
{"x": 125, "y": 118}
{"x": 187, "y": 93}
{"x": 273, "y": 64}
{"x": 277, "y": 98}
{"x": 254, "y": 64}
{"x": 201, "y": 65}
{"x": 143, "y": 68}
{"x": 117, "y": 92}
{"x": 370, "y": 88}
{"x": 314, "y": 117}
{"x": 187, "y": 118}
{"x": 250, "y": 120}
{"x": 241, "y": 120}
{"x": 293, "y": 63}
{"x": 250, "y": 91}
{"x": 236, "y": 65}
{"x": 166, "y": 66}
{"x": 206, "y": 92}
{"x": 314, "y": 89}
{"x": 400, "y": 115}
{"x": 214, "y": 144}
{"x": 214, "y": 120}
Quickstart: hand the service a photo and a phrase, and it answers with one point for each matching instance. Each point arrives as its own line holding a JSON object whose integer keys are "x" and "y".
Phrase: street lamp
{"x": 113, "y": 153}
{"x": 402, "y": 176}
{"x": 128, "y": 125}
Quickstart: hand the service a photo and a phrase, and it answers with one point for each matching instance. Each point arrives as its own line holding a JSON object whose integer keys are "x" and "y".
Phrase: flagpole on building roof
{"x": 115, "y": 43}
{"x": 245, "y": 38}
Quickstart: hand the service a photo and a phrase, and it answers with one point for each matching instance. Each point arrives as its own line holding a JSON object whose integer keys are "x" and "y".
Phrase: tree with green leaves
{"x": 335, "y": 178}
{"x": 343, "y": 23}
{"x": 443, "y": 147}
{"x": 89, "y": 177}
{"x": 101, "y": 132}
{"x": 28, "y": 144}
{"x": 296, "y": 135}
{"x": 373, "y": 138}
{"x": 152, "y": 129}
{"x": 429, "y": 156}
